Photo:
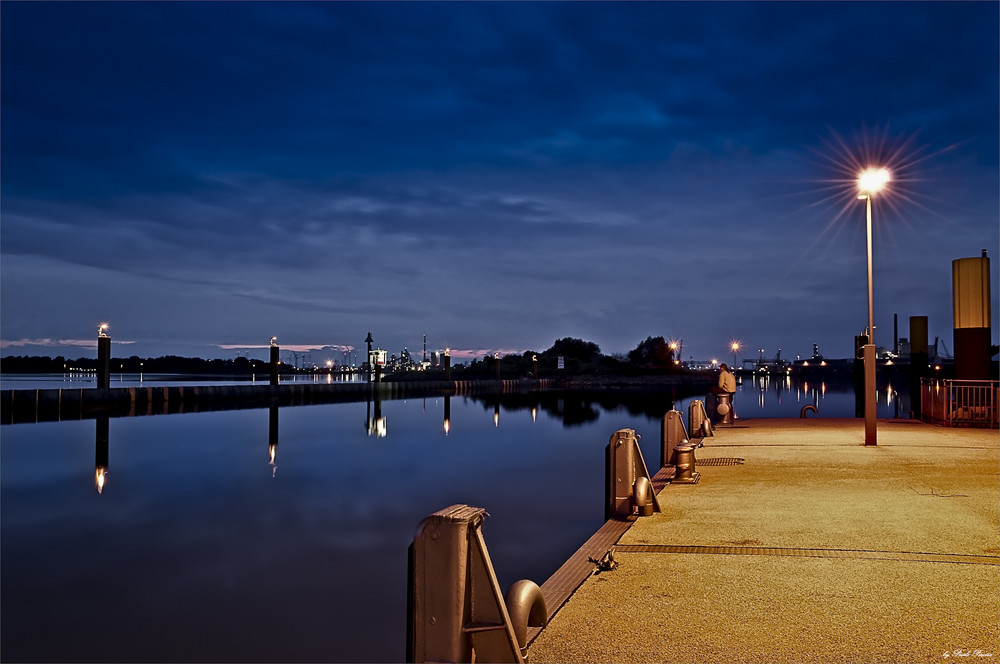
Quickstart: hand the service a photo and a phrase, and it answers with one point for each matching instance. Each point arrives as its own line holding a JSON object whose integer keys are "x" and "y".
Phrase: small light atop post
{"x": 103, "y": 357}
{"x": 274, "y": 361}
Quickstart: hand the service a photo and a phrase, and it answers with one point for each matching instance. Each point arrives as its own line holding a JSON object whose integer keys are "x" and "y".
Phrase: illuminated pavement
{"x": 815, "y": 549}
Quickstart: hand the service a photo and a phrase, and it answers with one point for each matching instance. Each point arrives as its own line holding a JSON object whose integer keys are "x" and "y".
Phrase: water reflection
{"x": 101, "y": 457}
{"x": 835, "y": 396}
{"x": 579, "y": 408}
{"x": 272, "y": 438}
{"x": 191, "y": 515}
{"x": 377, "y": 425}
{"x": 447, "y": 414}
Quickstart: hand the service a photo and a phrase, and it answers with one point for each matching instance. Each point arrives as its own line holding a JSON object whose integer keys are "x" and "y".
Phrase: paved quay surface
{"x": 814, "y": 549}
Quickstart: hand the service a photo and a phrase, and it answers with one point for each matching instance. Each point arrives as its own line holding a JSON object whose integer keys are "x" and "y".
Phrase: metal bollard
{"x": 725, "y": 408}
{"x": 642, "y": 497}
{"x": 672, "y": 432}
{"x": 526, "y": 606}
{"x": 698, "y": 420}
{"x": 628, "y": 480}
{"x": 685, "y": 463}
{"x": 455, "y": 609}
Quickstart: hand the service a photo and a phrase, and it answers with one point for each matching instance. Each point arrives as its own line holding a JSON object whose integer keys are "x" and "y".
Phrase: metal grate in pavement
{"x": 908, "y": 556}
{"x": 720, "y": 461}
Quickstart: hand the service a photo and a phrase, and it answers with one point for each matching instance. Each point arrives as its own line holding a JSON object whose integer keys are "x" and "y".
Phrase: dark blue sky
{"x": 493, "y": 175}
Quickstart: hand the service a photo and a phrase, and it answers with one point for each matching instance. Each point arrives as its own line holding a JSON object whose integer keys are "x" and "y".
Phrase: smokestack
{"x": 895, "y": 334}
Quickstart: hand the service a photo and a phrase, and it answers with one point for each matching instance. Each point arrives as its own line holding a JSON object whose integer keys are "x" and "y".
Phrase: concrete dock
{"x": 800, "y": 544}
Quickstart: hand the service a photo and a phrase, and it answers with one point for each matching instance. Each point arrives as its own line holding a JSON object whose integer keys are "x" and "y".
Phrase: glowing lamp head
{"x": 872, "y": 180}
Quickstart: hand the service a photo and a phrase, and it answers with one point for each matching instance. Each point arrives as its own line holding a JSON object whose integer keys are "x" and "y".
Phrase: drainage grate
{"x": 910, "y": 556}
{"x": 723, "y": 461}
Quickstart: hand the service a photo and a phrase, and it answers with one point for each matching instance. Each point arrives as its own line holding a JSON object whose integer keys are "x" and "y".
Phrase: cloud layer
{"x": 493, "y": 175}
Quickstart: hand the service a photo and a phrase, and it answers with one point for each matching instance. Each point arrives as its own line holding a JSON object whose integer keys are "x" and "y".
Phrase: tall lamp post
{"x": 736, "y": 347}
{"x": 870, "y": 182}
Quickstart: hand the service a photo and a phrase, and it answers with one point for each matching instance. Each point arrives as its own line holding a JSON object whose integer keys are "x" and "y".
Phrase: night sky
{"x": 496, "y": 176}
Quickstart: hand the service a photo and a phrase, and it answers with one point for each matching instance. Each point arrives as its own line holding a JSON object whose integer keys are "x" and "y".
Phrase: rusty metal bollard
{"x": 629, "y": 488}
{"x": 455, "y": 609}
{"x": 698, "y": 420}
{"x": 685, "y": 462}
{"x": 672, "y": 432}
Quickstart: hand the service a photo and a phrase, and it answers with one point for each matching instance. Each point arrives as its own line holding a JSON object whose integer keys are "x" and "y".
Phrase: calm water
{"x": 201, "y": 548}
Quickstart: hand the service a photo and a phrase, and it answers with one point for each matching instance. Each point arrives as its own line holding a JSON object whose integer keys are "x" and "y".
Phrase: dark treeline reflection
{"x": 575, "y": 408}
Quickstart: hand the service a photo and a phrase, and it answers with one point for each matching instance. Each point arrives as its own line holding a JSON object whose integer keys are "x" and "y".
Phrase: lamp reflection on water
{"x": 101, "y": 455}
{"x": 447, "y": 414}
{"x": 99, "y": 475}
{"x": 272, "y": 438}
{"x": 375, "y": 426}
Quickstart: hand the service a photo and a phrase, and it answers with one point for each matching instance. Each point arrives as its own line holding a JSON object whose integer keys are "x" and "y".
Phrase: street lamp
{"x": 735, "y": 346}
{"x": 870, "y": 182}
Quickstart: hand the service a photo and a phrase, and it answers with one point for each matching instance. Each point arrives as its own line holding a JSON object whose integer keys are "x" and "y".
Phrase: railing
{"x": 960, "y": 403}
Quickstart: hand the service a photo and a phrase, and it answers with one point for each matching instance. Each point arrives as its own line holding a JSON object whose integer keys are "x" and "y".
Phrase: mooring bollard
{"x": 724, "y": 408}
{"x": 672, "y": 432}
{"x": 685, "y": 462}
{"x": 456, "y": 612}
{"x": 629, "y": 487}
{"x": 698, "y": 421}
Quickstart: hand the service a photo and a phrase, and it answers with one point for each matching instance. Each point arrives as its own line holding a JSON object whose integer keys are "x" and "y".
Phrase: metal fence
{"x": 960, "y": 403}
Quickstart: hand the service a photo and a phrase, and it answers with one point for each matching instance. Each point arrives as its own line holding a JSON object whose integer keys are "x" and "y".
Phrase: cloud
{"x": 56, "y": 343}
{"x": 494, "y": 174}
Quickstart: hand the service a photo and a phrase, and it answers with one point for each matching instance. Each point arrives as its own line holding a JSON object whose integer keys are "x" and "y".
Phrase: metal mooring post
{"x": 629, "y": 488}
{"x": 103, "y": 360}
{"x": 455, "y": 609}
{"x": 698, "y": 420}
{"x": 273, "y": 361}
{"x": 672, "y": 433}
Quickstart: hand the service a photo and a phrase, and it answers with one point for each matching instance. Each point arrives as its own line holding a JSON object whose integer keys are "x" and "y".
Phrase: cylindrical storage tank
{"x": 971, "y": 300}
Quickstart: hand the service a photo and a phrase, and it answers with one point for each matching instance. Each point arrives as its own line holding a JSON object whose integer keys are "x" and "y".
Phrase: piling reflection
{"x": 272, "y": 438}
{"x": 375, "y": 425}
{"x": 447, "y": 414}
{"x": 101, "y": 456}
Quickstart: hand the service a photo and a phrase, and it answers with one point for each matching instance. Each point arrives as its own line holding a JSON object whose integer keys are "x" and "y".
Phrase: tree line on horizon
{"x": 579, "y": 356}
